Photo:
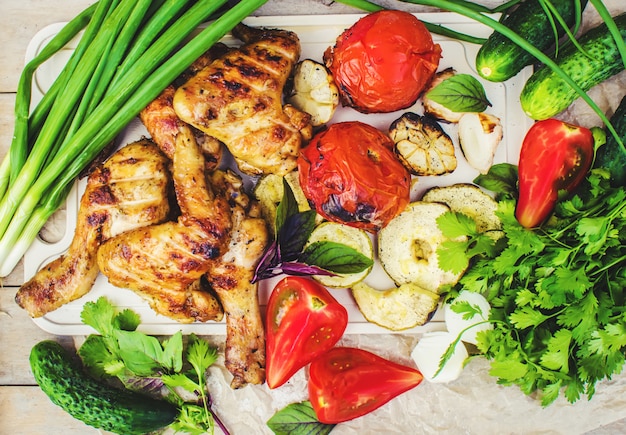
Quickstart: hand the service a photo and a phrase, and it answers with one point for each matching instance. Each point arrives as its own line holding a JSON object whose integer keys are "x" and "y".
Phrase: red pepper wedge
{"x": 303, "y": 321}
{"x": 555, "y": 157}
{"x": 346, "y": 383}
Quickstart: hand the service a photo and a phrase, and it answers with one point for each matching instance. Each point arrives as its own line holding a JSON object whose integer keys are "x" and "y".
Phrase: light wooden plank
{"x": 18, "y": 334}
{"x": 27, "y": 410}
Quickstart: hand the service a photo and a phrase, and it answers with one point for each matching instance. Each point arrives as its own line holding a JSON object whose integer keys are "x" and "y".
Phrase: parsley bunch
{"x": 143, "y": 363}
{"x": 557, "y": 292}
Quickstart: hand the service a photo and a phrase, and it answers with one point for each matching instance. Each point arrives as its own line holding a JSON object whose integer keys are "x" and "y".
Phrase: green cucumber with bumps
{"x": 499, "y": 58}
{"x": 612, "y": 155}
{"x": 92, "y": 402}
{"x": 546, "y": 94}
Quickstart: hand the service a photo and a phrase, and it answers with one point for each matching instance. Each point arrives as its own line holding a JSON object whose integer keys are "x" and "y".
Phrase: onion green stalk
{"x": 144, "y": 80}
{"x": 439, "y": 29}
{"x": 18, "y": 150}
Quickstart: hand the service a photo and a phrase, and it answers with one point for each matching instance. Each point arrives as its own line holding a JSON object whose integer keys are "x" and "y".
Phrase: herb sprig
{"x": 143, "y": 363}
{"x": 289, "y": 254}
{"x": 557, "y": 292}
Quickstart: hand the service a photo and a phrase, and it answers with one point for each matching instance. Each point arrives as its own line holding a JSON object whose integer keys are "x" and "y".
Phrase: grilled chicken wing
{"x": 230, "y": 277}
{"x": 238, "y": 100}
{"x": 126, "y": 192}
{"x": 164, "y": 263}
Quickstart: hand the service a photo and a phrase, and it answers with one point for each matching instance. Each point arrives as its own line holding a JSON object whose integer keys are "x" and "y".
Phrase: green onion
{"x": 25, "y": 208}
{"x": 18, "y": 150}
{"x": 610, "y": 24}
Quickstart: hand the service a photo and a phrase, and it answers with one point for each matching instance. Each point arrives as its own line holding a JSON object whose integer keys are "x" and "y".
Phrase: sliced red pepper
{"x": 303, "y": 321}
{"x": 346, "y": 383}
{"x": 555, "y": 157}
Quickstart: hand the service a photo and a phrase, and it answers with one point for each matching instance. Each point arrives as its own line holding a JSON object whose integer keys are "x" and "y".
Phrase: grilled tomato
{"x": 350, "y": 174}
{"x": 383, "y": 62}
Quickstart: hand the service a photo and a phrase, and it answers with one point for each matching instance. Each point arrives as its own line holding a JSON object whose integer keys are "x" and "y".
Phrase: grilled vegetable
{"x": 468, "y": 199}
{"x": 96, "y": 404}
{"x": 422, "y": 146}
{"x": 314, "y": 92}
{"x": 407, "y": 247}
{"x": 398, "y": 308}
{"x": 269, "y": 192}
{"x": 499, "y": 58}
{"x": 353, "y": 237}
{"x": 303, "y": 321}
{"x": 346, "y": 383}
{"x": 546, "y": 94}
{"x": 612, "y": 155}
{"x": 479, "y": 136}
{"x": 555, "y": 157}
{"x": 383, "y": 62}
{"x": 349, "y": 173}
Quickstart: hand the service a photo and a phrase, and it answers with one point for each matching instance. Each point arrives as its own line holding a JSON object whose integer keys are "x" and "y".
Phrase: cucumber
{"x": 612, "y": 155}
{"x": 499, "y": 58}
{"x": 94, "y": 403}
{"x": 545, "y": 94}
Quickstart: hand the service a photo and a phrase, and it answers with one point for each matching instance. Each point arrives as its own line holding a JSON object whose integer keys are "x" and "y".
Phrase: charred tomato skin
{"x": 303, "y": 321}
{"x": 383, "y": 62}
{"x": 350, "y": 175}
{"x": 554, "y": 158}
{"x": 346, "y": 383}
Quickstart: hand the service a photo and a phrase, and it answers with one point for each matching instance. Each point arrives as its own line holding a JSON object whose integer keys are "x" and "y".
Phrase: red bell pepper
{"x": 346, "y": 383}
{"x": 555, "y": 157}
{"x": 303, "y": 321}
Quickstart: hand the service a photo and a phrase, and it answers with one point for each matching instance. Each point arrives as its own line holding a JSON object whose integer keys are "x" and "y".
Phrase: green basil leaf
{"x": 501, "y": 179}
{"x": 336, "y": 257}
{"x": 460, "y": 93}
{"x": 298, "y": 419}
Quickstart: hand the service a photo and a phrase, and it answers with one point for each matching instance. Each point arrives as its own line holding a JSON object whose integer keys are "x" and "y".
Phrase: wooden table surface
{"x": 24, "y": 409}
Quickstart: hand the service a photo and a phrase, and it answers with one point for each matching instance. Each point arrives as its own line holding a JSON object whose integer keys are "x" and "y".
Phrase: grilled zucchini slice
{"x": 397, "y": 309}
{"x": 407, "y": 247}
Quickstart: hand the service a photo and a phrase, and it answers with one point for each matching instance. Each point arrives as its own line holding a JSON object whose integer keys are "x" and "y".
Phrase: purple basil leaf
{"x": 295, "y": 233}
{"x": 303, "y": 269}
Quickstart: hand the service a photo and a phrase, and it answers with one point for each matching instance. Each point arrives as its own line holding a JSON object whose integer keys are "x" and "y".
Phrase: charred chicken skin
{"x": 238, "y": 100}
{"x": 128, "y": 191}
{"x": 164, "y": 263}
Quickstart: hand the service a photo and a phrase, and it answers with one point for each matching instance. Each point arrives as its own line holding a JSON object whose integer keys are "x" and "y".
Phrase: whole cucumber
{"x": 94, "y": 403}
{"x": 612, "y": 155}
{"x": 546, "y": 94}
{"x": 499, "y": 58}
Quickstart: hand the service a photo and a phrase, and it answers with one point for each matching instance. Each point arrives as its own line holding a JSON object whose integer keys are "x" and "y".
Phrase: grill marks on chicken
{"x": 230, "y": 277}
{"x": 126, "y": 192}
{"x": 165, "y": 263}
{"x": 238, "y": 100}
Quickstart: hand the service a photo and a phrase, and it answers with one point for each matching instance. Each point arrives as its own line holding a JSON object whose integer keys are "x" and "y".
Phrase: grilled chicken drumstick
{"x": 238, "y": 100}
{"x": 230, "y": 277}
{"x": 126, "y": 192}
{"x": 164, "y": 263}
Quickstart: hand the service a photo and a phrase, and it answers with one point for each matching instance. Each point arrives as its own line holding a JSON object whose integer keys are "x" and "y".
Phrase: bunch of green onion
{"x": 130, "y": 50}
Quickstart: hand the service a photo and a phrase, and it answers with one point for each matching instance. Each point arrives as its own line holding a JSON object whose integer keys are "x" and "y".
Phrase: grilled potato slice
{"x": 422, "y": 146}
{"x": 470, "y": 200}
{"x": 396, "y": 309}
{"x": 407, "y": 247}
